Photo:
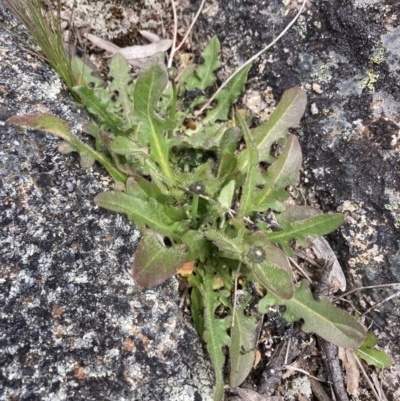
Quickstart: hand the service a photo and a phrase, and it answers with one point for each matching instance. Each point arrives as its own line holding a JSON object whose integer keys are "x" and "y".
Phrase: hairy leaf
{"x": 283, "y": 172}
{"x": 215, "y": 329}
{"x": 320, "y": 317}
{"x": 287, "y": 115}
{"x": 60, "y": 128}
{"x": 226, "y": 195}
{"x": 315, "y": 226}
{"x": 125, "y": 146}
{"x": 153, "y": 263}
{"x": 204, "y": 74}
{"x": 43, "y": 122}
{"x": 294, "y": 213}
{"x": 224, "y": 242}
{"x": 149, "y": 86}
{"x": 227, "y": 97}
{"x": 155, "y": 215}
{"x": 269, "y": 265}
{"x": 84, "y": 75}
{"x": 373, "y": 356}
{"x": 242, "y": 350}
{"x": 96, "y": 101}
{"x": 122, "y": 88}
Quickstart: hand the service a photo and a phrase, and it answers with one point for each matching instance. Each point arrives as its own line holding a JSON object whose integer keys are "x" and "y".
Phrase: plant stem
{"x": 195, "y": 205}
{"x": 172, "y": 111}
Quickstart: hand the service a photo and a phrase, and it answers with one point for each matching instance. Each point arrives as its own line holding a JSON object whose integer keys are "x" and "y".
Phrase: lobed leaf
{"x": 96, "y": 102}
{"x": 158, "y": 217}
{"x": 84, "y": 75}
{"x": 122, "y": 88}
{"x": 273, "y": 271}
{"x": 373, "y": 356}
{"x": 320, "y": 317}
{"x": 287, "y": 115}
{"x": 204, "y": 74}
{"x": 227, "y": 97}
{"x": 282, "y": 173}
{"x": 215, "y": 329}
{"x": 242, "y": 349}
{"x": 149, "y": 87}
{"x": 314, "y": 226}
{"x": 153, "y": 263}
{"x": 60, "y": 128}
{"x": 43, "y": 122}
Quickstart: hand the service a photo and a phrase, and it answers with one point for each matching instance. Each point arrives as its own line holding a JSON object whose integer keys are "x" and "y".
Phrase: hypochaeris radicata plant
{"x": 208, "y": 192}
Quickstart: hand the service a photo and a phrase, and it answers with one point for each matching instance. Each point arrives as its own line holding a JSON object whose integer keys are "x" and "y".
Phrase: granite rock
{"x": 73, "y": 325}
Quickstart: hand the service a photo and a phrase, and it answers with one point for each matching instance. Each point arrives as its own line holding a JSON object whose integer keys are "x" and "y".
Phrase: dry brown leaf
{"x": 133, "y": 54}
{"x": 323, "y": 251}
{"x": 352, "y": 373}
{"x": 150, "y": 36}
{"x": 257, "y": 359}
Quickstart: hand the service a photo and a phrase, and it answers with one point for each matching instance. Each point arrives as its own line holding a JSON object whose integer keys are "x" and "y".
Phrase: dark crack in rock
{"x": 73, "y": 326}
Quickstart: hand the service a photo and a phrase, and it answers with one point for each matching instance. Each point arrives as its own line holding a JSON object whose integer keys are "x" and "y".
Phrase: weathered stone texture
{"x": 73, "y": 326}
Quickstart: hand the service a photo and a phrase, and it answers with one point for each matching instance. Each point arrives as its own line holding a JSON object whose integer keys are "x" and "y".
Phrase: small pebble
{"x": 314, "y": 109}
{"x": 317, "y": 88}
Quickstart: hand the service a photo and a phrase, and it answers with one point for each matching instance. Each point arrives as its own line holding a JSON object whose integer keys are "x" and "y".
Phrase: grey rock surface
{"x": 73, "y": 326}
{"x": 346, "y": 54}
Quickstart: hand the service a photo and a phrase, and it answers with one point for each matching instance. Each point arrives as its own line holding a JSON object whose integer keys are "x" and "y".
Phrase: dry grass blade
{"x": 47, "y": 32}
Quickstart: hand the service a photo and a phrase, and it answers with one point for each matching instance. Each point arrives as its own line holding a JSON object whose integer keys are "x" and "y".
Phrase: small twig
{"x": 367, "y": 378}
{"x": 287, "y": 353}
{"x": 250, "y": 60}
{"x": 171, "y": 55}
{"x": 312, "y": 262}
{"x": 300, "y": 269}
{"x": 380, "y": 303}
{"x": 235, "y": 294}
{"x": 191, "y": 25}
{"x": 365, "y": 288}
{"x": 290, "y": 367}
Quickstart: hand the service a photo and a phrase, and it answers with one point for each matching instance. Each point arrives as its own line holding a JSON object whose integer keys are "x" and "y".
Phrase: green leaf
{"x": 229, "y": 141}
{"x": 233, "y": 245}
{"x": 43, "y": 122}
{"x": 315, "y": 226}
{"x": 96, "y": 101}
{"x": 282, "y": 173}
{"x": 294, "y": 213}
{"x": 197, "y": 245}
{"x": 60, "y": 128}
{"x": 272, "y": 270}
{"x": 226, "y": 196}
{"x": 226, "y": 167}
{"x": 155, "y": 215}
{"x": 286, "y": 115}
{"x": 149, "y": 87}
{"x": 215, "y": 329}
{"x": 372, "y": 356}
{"x": 84, "y": 75}
{"x": 320, "y": 317}
{"x": 122, "y": 88}
{"x": 153, "y": 263}
{"x": 204, "y": 74}
{"x": 126, "y": 146}
{"x": 196, "y": 309}
{"x": 227, "y": 97}
{"x": 242, "y": 350}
